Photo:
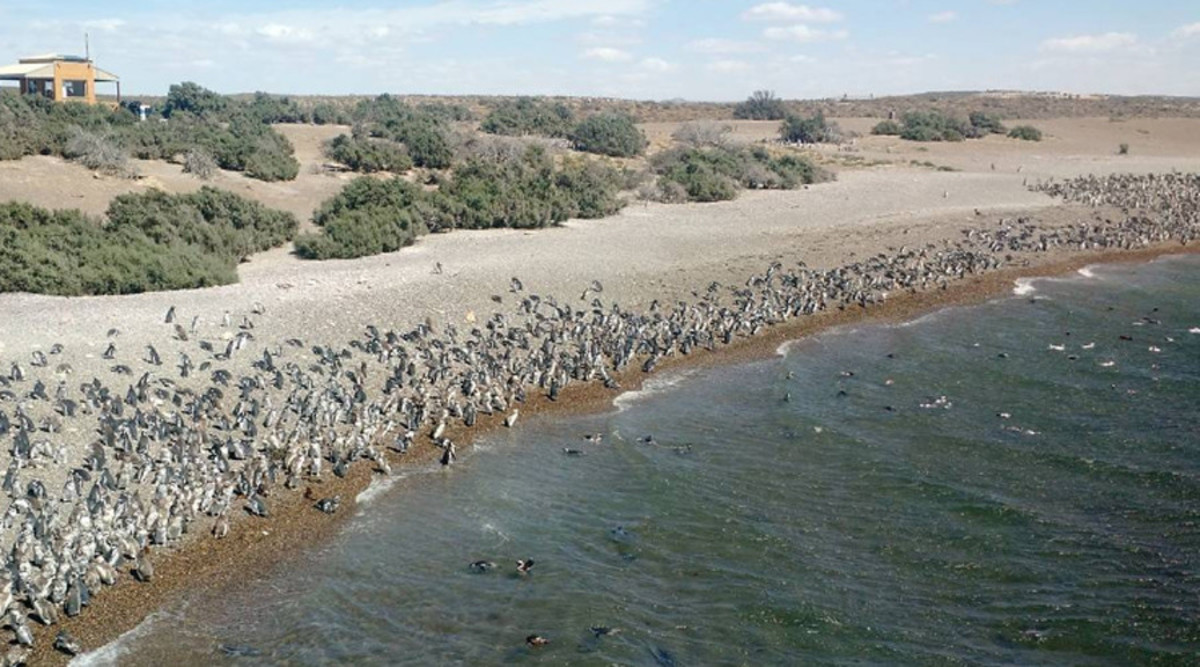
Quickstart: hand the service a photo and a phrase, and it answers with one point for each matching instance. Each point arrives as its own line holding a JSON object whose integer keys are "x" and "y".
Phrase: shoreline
{"x": 253, "y": 546}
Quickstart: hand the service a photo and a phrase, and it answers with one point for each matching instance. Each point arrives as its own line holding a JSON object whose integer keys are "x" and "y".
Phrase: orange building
{"x": 59, "y": 77}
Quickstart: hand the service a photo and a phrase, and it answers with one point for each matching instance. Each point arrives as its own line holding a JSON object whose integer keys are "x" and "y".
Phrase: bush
{"x": 199, "y": 163}
{"x": 528, "y": 116}
{"x": 152, "y": 241}
{"x": 97, "y": 153}
{"x": 1025, "y": 132}
{"x": 986, "y": 123}
{"x": 426, "y": 142}
{"x": 327, "y": 113}
{"x": 1123, "y": 149}
{"x": 702, "y": 133}
{"x": 32, "y": 125}
{"x": 716, "y": 174}
{"x": 524, "y": 191}
{"x": 932, "y": 126}
{"x": 611, "y": 134}
{"x": 815, "y": 130}
{"x": 194, "y": 99}
{"x": 887, "y": 128}
{"x": 761, "y": 105}
{"x": 366, "y": 155}
{"x": 368, "y": 217}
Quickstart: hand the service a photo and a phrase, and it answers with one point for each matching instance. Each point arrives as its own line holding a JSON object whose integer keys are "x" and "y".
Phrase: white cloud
{"x": 1186, "y": 31}
{"x": 728, "y": 66}
{"x": 104, "y": 25}
{"x": 1108, "y": 41}
{"x": 656, "y": 65}
{"x": 278, "y": 32}
{"x": 787, "y": 12}
{"x": 607, "y": 54}
{"x": 943, "y": 17}
{"x": 804, "y": 34}
{"x": 718, "y": 45}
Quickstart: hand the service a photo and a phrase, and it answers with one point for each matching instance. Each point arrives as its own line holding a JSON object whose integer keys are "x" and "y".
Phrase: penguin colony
{"x": 173, "y": 445}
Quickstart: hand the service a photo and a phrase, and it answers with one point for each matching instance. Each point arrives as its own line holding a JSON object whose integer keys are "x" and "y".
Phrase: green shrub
{"x": 611, "y": 134}
{"x": 152, "y": 241}
{"x": 761, "y": 105}
{"x": 33, "y": 125}
{"x": 327, "y": 113}
{"x": 426, "y": 142}
{"x": 986, "y": 123}
{"x": 368, "y": 217}
{"x": 525, "y": 191}
{"x": 933, "y": 126}
{"x": 1025, "y": 132}
{"x": 1123, "y": 149}
{"x": 887, "y": 128}
{"x": 528, "y": 116}
{"x": 367, "y": 155}
{"x": 815, "y": 130}
{"x": 716, "y": 173}
{"x": 194, "y": 99}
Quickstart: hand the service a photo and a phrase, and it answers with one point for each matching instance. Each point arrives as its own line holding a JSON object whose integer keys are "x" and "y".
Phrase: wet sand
{"x": 200, "y": 565}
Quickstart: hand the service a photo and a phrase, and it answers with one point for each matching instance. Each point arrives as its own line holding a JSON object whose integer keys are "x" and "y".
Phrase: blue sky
{"x": 644, "y": 49}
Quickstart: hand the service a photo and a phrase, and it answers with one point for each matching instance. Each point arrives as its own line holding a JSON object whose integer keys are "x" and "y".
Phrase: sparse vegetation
{"x": 1026, "y": 133}
{"x": 236, "y": 141}
{"x": 614, "y": 135}
{"x": 717, "y": 174}
{"x": 528, "y": 116}
{"x": 888, "y": 128}
{"x": 199, "y": 163}
{"x": 935, "y": 126}
{"x": 504, "y": 189}
{"x": 364, "y": 154}
{"x": 98, "y": 153}
{"x": 1123, "y": 149}
{"x": 761, "y": 105}
{"x": 151, "y": 241}
{"x": 702, "y": 133}
{"x": 809, "y": 130}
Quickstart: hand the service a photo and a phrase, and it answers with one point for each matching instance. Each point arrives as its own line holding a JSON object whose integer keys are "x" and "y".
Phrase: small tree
{"x": 761, "y": 105}
{"x": 610, "y": 134}
{"x": 815, "y": 130}
{"x": 193, "y": 98}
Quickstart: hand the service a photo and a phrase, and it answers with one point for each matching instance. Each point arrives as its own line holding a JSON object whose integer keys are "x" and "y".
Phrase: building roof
{"x": 42, "y": 67}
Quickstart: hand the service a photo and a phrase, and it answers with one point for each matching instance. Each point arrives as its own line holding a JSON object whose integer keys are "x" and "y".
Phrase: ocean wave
{"x": 376, "y": 488}
{"x": 1087, "y": 272}
{"x": 110, "y": 653}
{"x": 1024, "y": 286}
{"x": 649, "y": 388}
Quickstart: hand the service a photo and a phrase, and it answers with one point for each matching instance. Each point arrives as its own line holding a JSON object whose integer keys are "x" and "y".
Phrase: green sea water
{"x": 1011, "y": 483}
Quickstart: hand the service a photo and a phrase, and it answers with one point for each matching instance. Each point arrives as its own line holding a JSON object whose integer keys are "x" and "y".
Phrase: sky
{"x": 715, "y": 50}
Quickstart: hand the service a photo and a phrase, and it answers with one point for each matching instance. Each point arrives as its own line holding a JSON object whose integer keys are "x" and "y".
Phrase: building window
{"x": 76, "y": 88}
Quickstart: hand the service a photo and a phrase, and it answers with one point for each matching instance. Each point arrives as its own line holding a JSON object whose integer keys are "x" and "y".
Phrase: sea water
{"x": 1014, "y": 482}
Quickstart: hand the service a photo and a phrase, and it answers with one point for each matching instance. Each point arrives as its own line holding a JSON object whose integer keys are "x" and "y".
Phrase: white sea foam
{"x": 110, "y": 653}
{"x": 649, "y": 388}
{"x": 1024, "y": 286}
{"x": 376, "y": 488}
{"x": 1086, "y": 272}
